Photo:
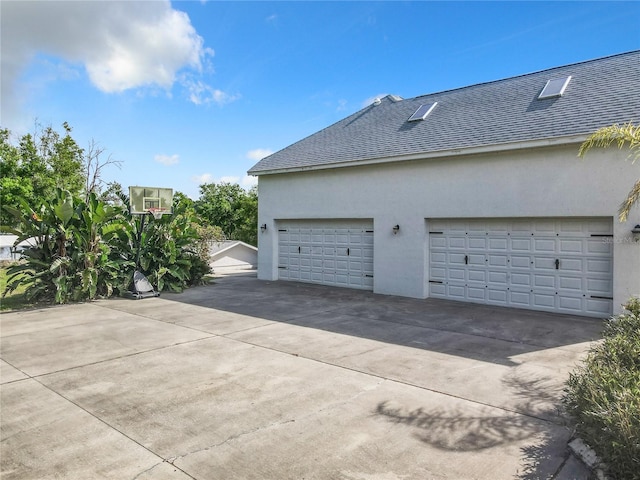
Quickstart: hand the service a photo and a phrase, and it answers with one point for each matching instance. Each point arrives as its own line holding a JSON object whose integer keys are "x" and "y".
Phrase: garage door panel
{"x": 456, "y": 291}
{"x": 457, "y": 243}
{"x": 438, "y": 273}
{"x": 544, "y": 227}
{"x": 477, "y": 276}
{"x": 494, "y": 260}
{"x": 599, "y": 286}
{"x": 544, "y": 245}
{"x": 569, "y": 304}
{"x": 600, "y": 246}
{"x": 455, "y": 258}
{"x": 497, "y": 297}
{"x": 522, "y": 299}
{"x": 570, "y": 265}
{"x": 304, "y": 262}
{"x": 437, "y": 241}
{"x": 570, "y": 283}
{"x": 498, "y": 278}
{"x": 520, "y": 279}
{"x": 521, "y": 245}
{"x": 599, "y": 265}
{"x": 572, "y": 246}
{"x": 543, "y": 264}
{"x": 303, "y": 275}
{"x": 354, "y": 266}
{"x": 599, "y": 307}
{"x": 327, "y": 252}
{"x": 477, "y": 243}
{"x": 520, "y": 262}
{"x": 598, "y": 227}
{"x": 457, "y": 274}
{"x": 438, "y": 289}
{"x": 476, "y": 293}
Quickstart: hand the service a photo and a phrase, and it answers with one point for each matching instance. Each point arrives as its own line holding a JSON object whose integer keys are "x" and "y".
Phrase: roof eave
{"x": 501, "y": 147}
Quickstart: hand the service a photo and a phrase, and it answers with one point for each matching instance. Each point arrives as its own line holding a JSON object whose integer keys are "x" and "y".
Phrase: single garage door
{"x": 557, "y": 265}
{"x": 336, "y": 252}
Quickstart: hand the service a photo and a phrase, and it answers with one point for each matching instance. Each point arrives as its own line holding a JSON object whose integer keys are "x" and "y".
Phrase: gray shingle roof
{"x": 601, "y": 92}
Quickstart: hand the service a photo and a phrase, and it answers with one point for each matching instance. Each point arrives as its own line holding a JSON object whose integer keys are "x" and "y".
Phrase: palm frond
{"x": 627, "y": 135}
{"x": 632, "y": 198}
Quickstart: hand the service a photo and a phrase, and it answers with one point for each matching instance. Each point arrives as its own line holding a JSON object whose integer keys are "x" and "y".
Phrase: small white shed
{"x": 233, "y": 255}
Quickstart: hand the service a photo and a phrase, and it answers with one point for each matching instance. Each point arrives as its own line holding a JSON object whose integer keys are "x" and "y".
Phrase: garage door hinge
{"x": 600, "y": 297}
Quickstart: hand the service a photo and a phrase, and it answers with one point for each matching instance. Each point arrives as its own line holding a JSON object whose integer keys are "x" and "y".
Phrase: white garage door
{"x": 558, "y": 265}
{"x": 335, "y": 252}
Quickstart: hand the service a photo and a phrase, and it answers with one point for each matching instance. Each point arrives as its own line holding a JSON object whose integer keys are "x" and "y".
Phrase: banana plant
{"x": 70, "y": 257}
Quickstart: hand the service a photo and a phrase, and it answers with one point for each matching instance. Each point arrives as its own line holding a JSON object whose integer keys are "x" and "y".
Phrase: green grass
{"x": 15, "y": 300}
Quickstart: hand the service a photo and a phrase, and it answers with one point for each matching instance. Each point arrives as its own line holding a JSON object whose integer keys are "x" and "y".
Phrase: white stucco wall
{"x": 238, "y": 256}
{"x": 548, "y": 182}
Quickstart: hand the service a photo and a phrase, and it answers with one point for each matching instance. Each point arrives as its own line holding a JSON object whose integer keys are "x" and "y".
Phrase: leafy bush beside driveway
{"x": 603, "y": 395}
{"x": 85, "y": 248}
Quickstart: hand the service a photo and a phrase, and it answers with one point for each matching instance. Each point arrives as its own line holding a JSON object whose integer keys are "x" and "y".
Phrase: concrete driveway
{"x": 248, "y": 379}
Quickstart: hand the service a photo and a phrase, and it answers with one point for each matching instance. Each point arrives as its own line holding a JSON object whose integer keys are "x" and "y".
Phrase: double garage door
{"x": 557, "y": 265}
{"x": 334, "y": 252}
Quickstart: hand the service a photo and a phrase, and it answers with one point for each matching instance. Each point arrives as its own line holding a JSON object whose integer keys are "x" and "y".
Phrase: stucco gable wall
{"x": 548, "y": 182}
{"x": 237, "y": 256}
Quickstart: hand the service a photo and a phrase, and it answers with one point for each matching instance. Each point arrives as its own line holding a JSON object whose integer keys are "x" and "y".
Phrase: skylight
{"x": 555, "y": 88}
{"x": 422, "y": 112}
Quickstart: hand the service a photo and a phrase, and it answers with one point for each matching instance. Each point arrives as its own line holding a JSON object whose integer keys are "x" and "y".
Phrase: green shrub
{"x": 603, "y": 395}
{"x": 85, "y": 248}
{"x": 171, "y": 252}
{"x": 72, "y": 258}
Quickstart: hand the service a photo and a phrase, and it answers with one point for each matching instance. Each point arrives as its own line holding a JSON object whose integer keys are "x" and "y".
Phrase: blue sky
{"x": 189, "y": 92}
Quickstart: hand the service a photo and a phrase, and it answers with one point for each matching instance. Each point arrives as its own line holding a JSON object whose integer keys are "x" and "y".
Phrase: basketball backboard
{"x": 155, "y": 200}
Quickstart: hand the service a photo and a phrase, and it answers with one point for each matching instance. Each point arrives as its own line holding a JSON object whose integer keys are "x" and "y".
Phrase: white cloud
{"x": 121, "y": 45}
{"x": 229, "y": 179}
{"x": 167, "y": 159}
{"x": 248, "y": 181}
{"x": 245, "y": 182}
{"x": 200, "y": 93}
{"x": 370, "y": 100}
{"x": 258, "y": 153}
{"x": 204, "y": 178}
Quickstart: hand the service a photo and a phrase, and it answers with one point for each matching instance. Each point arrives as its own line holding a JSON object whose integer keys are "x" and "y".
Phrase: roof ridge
{"x": 496, "y": 113}
{"x": 537, "y": 72}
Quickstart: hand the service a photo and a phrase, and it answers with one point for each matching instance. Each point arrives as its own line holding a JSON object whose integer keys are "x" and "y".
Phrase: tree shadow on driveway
{"x": 542, "y": 443}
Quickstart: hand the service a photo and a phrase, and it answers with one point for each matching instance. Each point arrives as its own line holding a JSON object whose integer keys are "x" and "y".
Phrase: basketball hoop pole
{"x": 139, "y": 240}
{"x": 141, "y": 287}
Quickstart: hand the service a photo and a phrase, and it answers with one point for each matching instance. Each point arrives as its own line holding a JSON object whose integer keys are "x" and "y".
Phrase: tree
{"x": 231, "y": 208}
{"x": 623, "y": 136}
{"x": 44, "y": 161}
{"x": 93, "y": 165}
{"x": 247, "y": 229}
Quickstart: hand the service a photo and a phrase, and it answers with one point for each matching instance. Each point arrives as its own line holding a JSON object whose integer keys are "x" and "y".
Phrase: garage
{"x": 328, "y": 252}
{"x": 562, "y": 265}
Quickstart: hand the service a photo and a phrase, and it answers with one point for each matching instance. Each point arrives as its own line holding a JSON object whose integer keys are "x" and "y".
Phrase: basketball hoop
{"x": 156, "y": 212}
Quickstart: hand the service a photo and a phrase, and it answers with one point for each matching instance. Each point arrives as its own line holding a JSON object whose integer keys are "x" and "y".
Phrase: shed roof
{"x": 485, "y": 116}
{"x": 218, "y": 248}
